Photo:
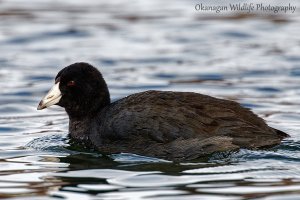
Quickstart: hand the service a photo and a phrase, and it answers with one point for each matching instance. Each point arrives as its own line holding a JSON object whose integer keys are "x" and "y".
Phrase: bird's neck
{"x": 88, "y": 107}
{"x": 84, "y": 130}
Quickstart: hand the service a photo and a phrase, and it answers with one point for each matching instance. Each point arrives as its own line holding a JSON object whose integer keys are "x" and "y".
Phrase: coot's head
{"x": 80, "y": 89}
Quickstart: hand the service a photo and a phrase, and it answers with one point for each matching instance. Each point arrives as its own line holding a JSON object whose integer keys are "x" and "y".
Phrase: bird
{"x": 175, "y": 126}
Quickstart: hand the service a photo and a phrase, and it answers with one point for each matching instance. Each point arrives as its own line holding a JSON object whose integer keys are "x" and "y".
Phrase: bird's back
{"x": 181, "y": 124}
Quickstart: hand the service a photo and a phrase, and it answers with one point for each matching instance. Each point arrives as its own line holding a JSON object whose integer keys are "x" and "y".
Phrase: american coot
{"x": 171, "y": 125}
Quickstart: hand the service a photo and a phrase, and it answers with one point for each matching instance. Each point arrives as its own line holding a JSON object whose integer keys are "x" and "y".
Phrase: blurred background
{"x": 252, "y": 58}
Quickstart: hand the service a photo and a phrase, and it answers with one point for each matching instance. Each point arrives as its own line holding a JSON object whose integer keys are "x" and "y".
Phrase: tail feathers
{"x": 281, "y": 133}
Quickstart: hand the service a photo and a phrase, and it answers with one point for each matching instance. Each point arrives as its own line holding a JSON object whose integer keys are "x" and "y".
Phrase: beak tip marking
{"x": 40, "y": 106}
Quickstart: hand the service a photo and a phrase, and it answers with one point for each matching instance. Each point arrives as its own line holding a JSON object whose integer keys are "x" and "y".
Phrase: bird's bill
{"x": 51, "y": 98}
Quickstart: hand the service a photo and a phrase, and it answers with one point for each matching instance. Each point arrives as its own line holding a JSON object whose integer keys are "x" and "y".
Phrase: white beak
{"x": 51, "y": 98}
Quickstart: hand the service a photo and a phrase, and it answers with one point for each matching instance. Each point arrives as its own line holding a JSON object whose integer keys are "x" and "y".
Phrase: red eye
{"x": 71, "y": 83}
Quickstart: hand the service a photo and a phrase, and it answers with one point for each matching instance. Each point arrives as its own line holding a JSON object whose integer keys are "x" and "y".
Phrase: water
{"x": 141, "y": 45}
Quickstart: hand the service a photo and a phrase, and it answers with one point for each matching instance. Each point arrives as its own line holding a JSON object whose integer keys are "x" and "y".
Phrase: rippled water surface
{"x": 139, "y": 45}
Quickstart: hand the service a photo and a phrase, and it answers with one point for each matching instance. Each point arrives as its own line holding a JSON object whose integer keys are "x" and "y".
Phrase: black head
{"x": 80, "y": 89}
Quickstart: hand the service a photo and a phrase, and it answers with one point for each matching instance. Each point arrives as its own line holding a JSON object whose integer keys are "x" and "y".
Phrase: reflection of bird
{"x": 170, "y": 125}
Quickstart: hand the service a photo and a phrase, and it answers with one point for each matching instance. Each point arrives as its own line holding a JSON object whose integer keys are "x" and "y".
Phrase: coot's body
{"x": 170, "y": 125}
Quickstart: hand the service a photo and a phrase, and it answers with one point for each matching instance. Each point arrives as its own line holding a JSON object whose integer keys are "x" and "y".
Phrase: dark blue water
{"x": 139, "y": 45}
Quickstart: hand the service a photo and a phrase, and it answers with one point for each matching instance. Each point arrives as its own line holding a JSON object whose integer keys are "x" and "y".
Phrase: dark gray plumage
{"x": 170, "y": 125}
